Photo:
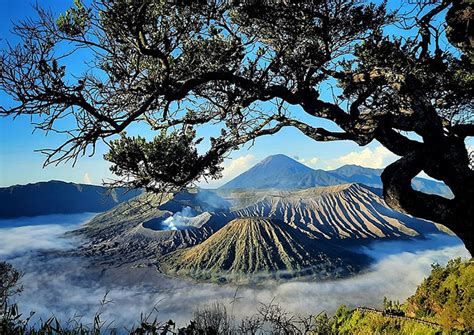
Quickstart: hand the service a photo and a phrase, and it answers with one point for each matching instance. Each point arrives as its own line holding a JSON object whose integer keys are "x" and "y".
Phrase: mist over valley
{"x": 65, "y": 286}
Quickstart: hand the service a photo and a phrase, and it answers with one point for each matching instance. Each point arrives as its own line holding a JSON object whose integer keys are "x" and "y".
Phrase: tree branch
{"x": 463, "y": 130}
{"x": 399, "y": 194}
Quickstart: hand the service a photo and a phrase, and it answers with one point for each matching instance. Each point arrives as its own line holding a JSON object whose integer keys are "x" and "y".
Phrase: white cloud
{"x": 377, "y": 157}
{"x": 232, "y": 168}
{"x": 87, "y": 179}
{"x": 23, "y": 234}
{"x": 311, "y": 162}
{"x": 236, "y": 166}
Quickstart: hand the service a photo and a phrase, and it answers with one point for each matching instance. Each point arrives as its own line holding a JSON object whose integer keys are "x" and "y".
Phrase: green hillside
{"x": 447, "y": 295}
{"x": 443, "y": 304}
{"x": 357, "y": 322}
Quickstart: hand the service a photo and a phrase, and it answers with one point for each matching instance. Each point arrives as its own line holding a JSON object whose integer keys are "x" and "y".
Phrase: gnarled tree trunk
{"x": 458, "y": 213}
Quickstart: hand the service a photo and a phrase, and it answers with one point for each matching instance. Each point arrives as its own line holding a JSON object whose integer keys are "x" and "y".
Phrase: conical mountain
{"x": 258, "y": 246}
{"x": 282, "y": 172}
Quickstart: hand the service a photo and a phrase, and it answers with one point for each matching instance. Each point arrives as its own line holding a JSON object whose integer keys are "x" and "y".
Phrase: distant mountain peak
{"x": 282, "y": 161}
{"x": 267, "y": 171}
{"x": 278, "y": 157}
{"x": 282, "y": 172}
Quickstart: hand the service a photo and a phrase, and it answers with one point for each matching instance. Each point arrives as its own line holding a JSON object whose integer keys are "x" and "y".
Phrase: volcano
{"x": 260, "y": 247}
{"x": 235, "y": 233}
{"x": 348, "y": 211}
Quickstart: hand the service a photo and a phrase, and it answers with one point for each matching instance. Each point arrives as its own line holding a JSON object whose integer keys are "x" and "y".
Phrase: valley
{"x": 248, "y": 235}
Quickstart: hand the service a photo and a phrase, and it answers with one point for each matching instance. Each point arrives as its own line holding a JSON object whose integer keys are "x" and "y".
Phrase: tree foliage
{"x": 447, "y": 295}
{"x": 176, "y": 66}
{"x": 9, "y": 287}
{"x": 141, "y": 163}
{"x": 9, "y": 283}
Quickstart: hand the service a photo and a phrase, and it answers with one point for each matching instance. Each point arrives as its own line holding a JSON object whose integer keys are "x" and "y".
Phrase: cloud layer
{"x": 377, "y": 157}
{"x": 67, "y": 286}
{"x": 30, "y": 234}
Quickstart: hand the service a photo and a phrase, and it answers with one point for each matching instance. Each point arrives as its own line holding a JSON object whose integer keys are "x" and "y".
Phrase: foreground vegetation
{"x": 442, "y": 304}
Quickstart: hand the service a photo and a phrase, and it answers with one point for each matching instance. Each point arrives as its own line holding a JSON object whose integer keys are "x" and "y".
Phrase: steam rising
{"x": 179, "y": 220}
{"x": 66, "y": 286}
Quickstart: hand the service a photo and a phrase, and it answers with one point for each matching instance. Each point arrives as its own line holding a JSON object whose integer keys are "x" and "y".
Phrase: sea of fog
{"x": 66, "y": 287}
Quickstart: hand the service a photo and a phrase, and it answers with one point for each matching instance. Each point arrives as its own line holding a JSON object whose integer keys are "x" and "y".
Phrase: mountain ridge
{"x": 52, "y": 181}
{"x": 271, "y": 173}
{"x": 59, "y": 197}
{"x": 345, "y": 211}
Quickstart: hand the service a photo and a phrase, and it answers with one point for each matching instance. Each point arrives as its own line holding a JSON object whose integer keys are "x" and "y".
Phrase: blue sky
{"x": 20, "y": 164}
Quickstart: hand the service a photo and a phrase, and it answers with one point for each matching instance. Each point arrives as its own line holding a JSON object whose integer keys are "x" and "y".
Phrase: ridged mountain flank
{"x": 348, "y": 211}
{"x": 260, "y": 247}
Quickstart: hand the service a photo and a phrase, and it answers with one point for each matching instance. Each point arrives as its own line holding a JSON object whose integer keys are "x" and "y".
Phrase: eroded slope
{"x": 261, "y": 247}
{"x": 335, "y": 212}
